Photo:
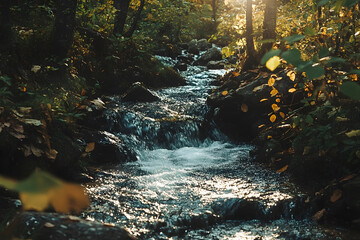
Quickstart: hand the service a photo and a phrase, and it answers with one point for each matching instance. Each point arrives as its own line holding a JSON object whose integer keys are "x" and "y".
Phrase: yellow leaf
{"x": 274, "y": 92}
{"x": 271, "y": 82}
{"x": 68, "y": 197}
{"x": 291, "y": 75}
{"x": 269, "y": 137}
{"x": 312, "y": 103}
{"x": 291, "y": 90}
{"x": 264, "y": 99}
{"x": 275, "y": 107}
{"x": 273, "y": 63}
{"x": 35, "y": 201}
{"x": 353, "y": 133}
{"x": 261, "y": 126}
{"x": 244, "y": 107}
{"x": 235, "y": 74}
{"x": 49, "y": 106}
{"x": 282, "y": 114}
{"x": 273, "y": 118}
{"x": 224, "y": 93}
{"x": 283, "y": 169}
{"x": 277, "y": 100}
{"x": 90, "y": 147}
{"x": 353, "y": 77}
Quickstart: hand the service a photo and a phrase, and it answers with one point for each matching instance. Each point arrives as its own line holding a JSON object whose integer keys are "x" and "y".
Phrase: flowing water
{"x": 190, "y": 181}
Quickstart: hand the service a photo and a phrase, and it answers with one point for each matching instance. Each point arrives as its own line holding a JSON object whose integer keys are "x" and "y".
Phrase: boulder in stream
{"x": 213, "y": 54}
{"x": 139, "y": 93}
{"x": 216, "y": 65}
{"x": 193, "y": 47}
{"x": 54, "y": 226}
{"x": 203, "y": 44}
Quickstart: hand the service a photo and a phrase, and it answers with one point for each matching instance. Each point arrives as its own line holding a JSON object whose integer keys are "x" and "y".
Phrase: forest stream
{"x": 190, "y": 182}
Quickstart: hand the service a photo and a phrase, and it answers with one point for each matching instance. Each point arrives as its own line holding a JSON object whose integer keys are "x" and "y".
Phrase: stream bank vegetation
{"x": 300, "y": 60}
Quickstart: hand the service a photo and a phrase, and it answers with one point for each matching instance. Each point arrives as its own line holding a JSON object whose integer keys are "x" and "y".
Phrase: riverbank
{"x": 311, "y": 140}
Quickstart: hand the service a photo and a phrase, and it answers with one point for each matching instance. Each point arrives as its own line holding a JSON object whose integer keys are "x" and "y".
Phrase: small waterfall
{"x": 190, "y": 181}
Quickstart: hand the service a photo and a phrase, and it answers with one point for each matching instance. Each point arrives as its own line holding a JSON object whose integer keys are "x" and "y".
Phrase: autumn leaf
{"x": 272, "y": 118}
{"x": 317, "y": 216}
{"x": 274, "y": 92}
{"x": 41, "y": 190}
{"x": 282, "y": 114}
{"x": 90, "y": 147}
{"x": 264, "y": 99}
{"x": 283, "y": 169}
{"x": 353, "y": 133}
{"x": 275, "y": 107}
{"x": 261, "y": 126}
{"x": 273, "y": 63}
{"x": 271, "y": 81}
{"x": 235, "y": 74}
{"x": 291, "y": 75}
{"x": 336, "y": 195}
{"x": 277, "y": 100}
{"x": 348, "y": 177}
{"x": 224, "y": 93}
{"x": 244, "y": 107}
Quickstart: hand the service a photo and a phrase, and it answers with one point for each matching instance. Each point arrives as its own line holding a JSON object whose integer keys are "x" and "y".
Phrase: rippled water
{"x": 188, "y": 181}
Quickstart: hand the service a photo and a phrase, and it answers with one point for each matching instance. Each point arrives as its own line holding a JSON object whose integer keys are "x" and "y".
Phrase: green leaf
{"x": 355, "y": 71}
{"x": 38, "y": 182}
{"x": 350, "y": 3}
{"x": 336, "y": 60}
{"x": 309, "y": 119}
{"x": 293, "y": 38}
{"x": 351, "y": 89}
{"x": 310, "y": 31}
{"x": 292, "y": 56}
{"x": 324, "y": 51}
{"x": 314, "y": 72}
{"x": 269, "y": 55}
{"x": 323, "y": 2}
{"x": 6, "y": 80}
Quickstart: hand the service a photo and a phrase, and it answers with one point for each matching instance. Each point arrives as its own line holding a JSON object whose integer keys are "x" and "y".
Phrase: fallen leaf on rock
{"x": 336, "y": 195}
{"x": 348, "y": 178}
{"x": 274, "y": 92}
{"x": 90, "y": 147}
{"x": 244, "y": 107}
{"x": 317, "y": 216}
{"x": 271, "y": 81}
{"x": 283, "y": 169}
{"x": 224, "y": 93}
{"x": 273, "y": 118}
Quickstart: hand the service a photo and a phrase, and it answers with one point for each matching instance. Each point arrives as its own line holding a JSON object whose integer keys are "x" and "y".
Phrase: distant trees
{"x": 122, "y": 10}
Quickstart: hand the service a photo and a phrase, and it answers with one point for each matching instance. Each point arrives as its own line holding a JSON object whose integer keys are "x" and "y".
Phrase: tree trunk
{"x": 249, "y": 30}
{"x": 63, "y": 32}
{"x": 5, "y": 25}
{"x": 137, "y": 17}
{"x": 269, "y": 25}
{"x": 122, "y": 8}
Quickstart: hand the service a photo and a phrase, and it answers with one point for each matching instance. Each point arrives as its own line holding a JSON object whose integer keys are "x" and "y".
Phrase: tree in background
{"x": 269, "y": 25}
{"x": 63, "y": 32}
{"x": 5, "y": 24}
{"x": 122, "y": 10}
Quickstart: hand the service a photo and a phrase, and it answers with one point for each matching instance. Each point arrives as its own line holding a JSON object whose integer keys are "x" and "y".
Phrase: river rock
{"x": 193, "y": 47}
{"x": 213, "y": 54}
{"x": 181, "y": 66}
{"x": 239, "y": 112}
{"x": 241, "y": 209}
{"x": 215, "y": 65}
{"x": 139, "y": 93}
{"x": 203, "y": 44}
{"x": 108, "y": 149}
{"x": 53, "y": 226}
